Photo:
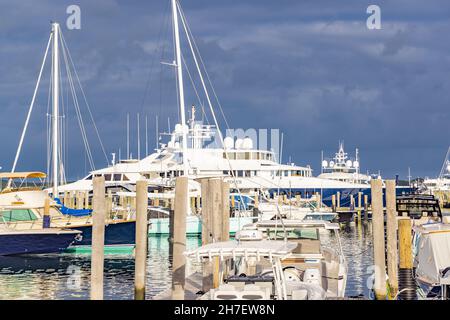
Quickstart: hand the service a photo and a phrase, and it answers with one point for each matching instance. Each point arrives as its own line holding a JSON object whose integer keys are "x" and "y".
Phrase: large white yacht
{"x": 343, "y": 168}
{"x": 246, "y": 168}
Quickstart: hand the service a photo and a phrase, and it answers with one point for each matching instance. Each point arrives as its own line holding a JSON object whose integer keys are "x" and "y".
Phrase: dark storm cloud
{"x": 310, "y": 68}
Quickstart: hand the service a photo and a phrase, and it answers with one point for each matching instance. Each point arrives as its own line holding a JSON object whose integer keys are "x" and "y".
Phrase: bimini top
{"x": 233, "y": 249}
{"x": 22, "y": 175}
{"x": 297, "y": 224}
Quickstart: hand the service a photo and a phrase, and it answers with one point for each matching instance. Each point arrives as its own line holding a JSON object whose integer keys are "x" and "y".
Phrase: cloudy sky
{"x": 309, "y": 68}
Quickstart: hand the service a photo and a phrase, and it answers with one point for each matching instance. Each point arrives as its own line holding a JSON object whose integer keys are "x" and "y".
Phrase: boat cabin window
{"x": 125, "y": 178}
{"x": 14, "y": 215}
{"x": 107, "y": 177}
{"x": 117, "y": 177}
{"x": 89, "y": 177}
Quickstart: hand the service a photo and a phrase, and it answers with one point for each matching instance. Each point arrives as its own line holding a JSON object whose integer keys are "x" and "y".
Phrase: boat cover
{"x": 433, "y": 255}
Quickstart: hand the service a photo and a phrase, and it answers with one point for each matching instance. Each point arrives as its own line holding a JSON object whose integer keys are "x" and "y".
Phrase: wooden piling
{"x": 79, "y": 200}
{"x": 86, "y": 199}
{"x": 179, "y": 238}
{"x": 98, "y": 238}
{"x": 378, "y": 239}
{"x": 225, "y": 211}
{"x": 359, "y": 206}
{"x": 46, "y": 217}
{"x": 333, "y": 203}
{"x": 406, "y": 284}
{"x": 391, "y": 233}
{"x": 366, "y": 208}
{"x": 141, "y": 239}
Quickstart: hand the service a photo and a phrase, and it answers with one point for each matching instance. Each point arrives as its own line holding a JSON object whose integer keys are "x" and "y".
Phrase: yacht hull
{"x": 120, "y": 233}
{"x": 33, "y": 243}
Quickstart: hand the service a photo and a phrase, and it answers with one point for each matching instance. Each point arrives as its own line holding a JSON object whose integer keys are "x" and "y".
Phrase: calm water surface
{"x": 66, "y": 276}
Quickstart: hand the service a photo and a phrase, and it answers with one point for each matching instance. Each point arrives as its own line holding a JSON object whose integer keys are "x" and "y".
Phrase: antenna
{"x": 157, "y": 131}
{"x": 138, "y": 139}
{"x": 146, "y": 136}
{"x": 128, "y": 136}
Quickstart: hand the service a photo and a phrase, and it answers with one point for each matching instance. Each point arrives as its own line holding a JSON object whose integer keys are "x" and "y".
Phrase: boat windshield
{"x": 13, "y": 215}
{"x": 300, "y": 233}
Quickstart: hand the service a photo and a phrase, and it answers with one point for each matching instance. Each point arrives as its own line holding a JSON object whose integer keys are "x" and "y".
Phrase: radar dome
{"x": 356, "y": 164}
{"x": 348, "y": 164}
{"x": 324, "y": 163}
{"x": 239, "y": 143}
{"x": 331, "y": 164}
{"x": 228, "y": 142}
{"x": 247, "y": 143}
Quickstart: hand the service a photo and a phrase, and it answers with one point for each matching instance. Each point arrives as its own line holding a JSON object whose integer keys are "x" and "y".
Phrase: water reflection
{"x": 67, "y": 276}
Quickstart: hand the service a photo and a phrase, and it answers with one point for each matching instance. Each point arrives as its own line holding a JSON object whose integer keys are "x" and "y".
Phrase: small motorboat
{"x": 258, "y": 265}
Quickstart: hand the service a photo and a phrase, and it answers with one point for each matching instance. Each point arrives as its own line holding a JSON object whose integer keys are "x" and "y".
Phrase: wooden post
{"x": 352, "y": 202}
{"x": 333, "y": 203}
{"x": 206, "y": 212}
{"x": 391, "y": 233}
{"x": 378, "y": 239}
{"x": 86, "y": 199}
{"x": 406, "y": 283}
{"x": 225, "y": 211}
{"x": 79, "y": 200}
{"x": 141, "y": 239}
{"x": 46, "y": 217}
{"x": 359, "y": 207}
{"x": 366, "y": 208}
{"x": 98, "y": 238}
{"x": 179, "y": 238}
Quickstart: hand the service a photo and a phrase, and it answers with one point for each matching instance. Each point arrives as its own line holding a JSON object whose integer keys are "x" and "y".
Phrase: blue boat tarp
{"x": 73, "y": 212}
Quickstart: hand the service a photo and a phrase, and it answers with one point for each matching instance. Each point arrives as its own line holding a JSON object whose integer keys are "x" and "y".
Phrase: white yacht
{"x": 343, "y": 168}
{"x": 442, "y": 182}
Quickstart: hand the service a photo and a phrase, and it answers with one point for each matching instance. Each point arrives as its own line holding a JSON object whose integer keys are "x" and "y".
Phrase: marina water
{"x": 67, "y": 276}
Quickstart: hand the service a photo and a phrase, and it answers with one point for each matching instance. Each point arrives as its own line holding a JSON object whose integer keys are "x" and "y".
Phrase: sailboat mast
{"x": 179, "y": 65}
{"x": 55, "y": 93}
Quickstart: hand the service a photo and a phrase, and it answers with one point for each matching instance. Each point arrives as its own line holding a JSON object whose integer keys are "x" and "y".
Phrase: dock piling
{"x": 391, "y": 234}
{"x": 141, "y": 239}
{"x": 46, "y": 217}
{"x": 378, "y": 239}
{"x": 406, "y": 283}
{"x": 98, "y": 238}
{"x": 179, "y": 238}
